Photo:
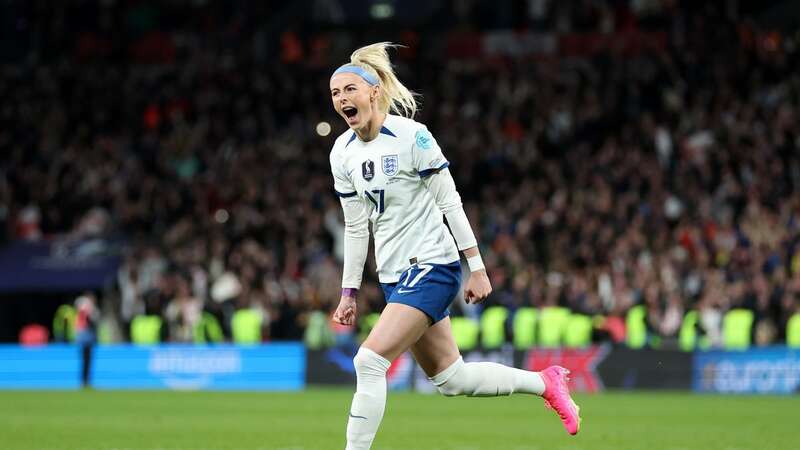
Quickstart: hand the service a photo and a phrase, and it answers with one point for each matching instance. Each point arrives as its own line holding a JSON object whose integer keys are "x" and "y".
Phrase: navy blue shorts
{"x": 428, "y": 287}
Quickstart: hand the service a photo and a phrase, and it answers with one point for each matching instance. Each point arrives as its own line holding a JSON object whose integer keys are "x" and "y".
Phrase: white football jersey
{"x": 387, "y": 175}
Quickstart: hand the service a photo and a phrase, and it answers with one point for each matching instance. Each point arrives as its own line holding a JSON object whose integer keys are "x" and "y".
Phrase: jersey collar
{"x": 384, "y": 130}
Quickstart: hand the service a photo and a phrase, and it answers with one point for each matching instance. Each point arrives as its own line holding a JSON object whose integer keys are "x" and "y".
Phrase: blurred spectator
{"x": 596, "y": 181}
{"x": 183, "y": 313}
{"x": 86, "y": 317}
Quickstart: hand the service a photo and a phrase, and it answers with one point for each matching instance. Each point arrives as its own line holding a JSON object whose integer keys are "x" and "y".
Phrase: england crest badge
{"x": 390, "y": 164}
{"x": 368, "y": 170}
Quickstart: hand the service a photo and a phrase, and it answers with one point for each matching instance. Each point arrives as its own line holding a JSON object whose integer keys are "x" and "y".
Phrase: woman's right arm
{"x": 356, "y": 243}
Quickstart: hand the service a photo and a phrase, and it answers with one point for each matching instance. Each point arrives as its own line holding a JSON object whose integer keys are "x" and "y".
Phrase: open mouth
{"x": 350, "y": 112}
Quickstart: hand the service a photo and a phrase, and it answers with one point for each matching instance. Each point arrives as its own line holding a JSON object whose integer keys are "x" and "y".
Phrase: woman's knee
{"x": 452, "y": 382}
{"x": 451, "y": 390}
{"x": 367, "y": 362}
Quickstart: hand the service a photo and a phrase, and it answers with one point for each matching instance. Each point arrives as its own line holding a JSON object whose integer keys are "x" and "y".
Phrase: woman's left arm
{"x": 443, "y": 188}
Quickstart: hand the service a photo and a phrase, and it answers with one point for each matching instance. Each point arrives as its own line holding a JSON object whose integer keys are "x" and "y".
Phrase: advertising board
{"x": 771, "y": 370}
{"x": 48, "y": 367}
{"x": 279, "y": 366}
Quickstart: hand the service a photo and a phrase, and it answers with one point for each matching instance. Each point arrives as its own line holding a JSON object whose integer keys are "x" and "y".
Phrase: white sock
{"x": 486, "y": 379}
{"x": 369, "y": 400}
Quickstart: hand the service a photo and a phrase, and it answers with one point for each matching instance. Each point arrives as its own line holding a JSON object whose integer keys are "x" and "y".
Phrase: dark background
{"x": 609, "y": 153}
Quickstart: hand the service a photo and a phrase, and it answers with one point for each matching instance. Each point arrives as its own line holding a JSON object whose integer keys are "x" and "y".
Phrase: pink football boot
{"x": 556, "y": 397}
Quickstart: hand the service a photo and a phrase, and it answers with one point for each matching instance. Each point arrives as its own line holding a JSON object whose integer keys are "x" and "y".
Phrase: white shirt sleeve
{"x": 441, "y": 185}
{"x": 356, "y": 241}
{"x": 342, "y": 183}
{"x": 426, "y": 154}
{"x": 356, "y": 228}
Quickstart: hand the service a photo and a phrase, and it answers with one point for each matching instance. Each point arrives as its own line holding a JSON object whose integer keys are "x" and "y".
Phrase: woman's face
{"x": 353, "y": 99}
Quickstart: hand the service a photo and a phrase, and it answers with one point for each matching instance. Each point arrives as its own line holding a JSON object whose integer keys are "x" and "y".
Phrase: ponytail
{"x": 394, "y": 96}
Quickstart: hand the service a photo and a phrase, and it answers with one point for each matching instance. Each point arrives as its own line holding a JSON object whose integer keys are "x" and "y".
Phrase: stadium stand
{"x": 655, "y": 182}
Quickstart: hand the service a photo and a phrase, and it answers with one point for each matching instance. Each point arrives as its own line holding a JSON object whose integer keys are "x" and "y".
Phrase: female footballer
{"x": 388, "y": 169}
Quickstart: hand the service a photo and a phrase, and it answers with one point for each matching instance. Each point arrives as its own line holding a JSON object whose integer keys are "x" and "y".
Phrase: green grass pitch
{"x": 316, "y": 418}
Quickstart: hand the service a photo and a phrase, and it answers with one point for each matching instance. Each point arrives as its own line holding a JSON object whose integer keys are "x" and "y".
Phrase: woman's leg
{"x": 398, "y": 327}
{"x": 436, "y": 352}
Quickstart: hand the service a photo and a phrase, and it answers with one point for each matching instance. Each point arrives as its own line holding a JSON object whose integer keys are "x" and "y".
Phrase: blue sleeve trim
{"x": 344, "y": 194}
{"x": 428, "y": 172}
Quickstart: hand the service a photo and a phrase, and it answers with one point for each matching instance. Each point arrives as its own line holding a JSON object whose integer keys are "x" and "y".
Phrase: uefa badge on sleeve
{"x": 423, "y": 139}
{"x": 390, "y": 165}
{"x": 368, "y": 170}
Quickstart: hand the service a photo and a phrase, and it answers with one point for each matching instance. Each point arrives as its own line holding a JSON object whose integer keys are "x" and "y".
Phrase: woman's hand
{"x": 478, "y": 287}
{"x": 345, "y": 313}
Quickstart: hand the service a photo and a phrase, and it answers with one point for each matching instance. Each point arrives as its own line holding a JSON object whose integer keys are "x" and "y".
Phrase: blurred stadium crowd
{"x": 666, "y": 178}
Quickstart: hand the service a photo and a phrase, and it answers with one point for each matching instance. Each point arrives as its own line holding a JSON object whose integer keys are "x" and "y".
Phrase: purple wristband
{"x": 349, "y": 292}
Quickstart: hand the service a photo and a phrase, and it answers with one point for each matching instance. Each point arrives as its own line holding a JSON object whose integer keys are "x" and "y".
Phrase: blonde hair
{"x": 394, "y": 96}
